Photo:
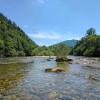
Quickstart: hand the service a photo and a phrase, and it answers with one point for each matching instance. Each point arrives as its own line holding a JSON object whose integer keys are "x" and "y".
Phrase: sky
{"x": 50, "y": 21}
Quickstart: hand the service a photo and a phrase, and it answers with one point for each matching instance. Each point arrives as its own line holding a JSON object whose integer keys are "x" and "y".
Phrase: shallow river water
{"x": 25, "y": 79}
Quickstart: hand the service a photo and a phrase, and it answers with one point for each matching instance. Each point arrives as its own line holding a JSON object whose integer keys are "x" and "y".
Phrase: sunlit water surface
{"x": 25, "y": 79}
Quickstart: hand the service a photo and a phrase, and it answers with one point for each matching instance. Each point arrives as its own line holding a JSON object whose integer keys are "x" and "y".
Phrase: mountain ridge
{"x": 70, "y": 43}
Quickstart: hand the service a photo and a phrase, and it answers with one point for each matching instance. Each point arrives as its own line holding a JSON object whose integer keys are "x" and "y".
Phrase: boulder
{"x": 62, "y": 59}
{"x": 69, "y": 59}
{"x": 92, "y": 77}
{"x": 56, "y": 69}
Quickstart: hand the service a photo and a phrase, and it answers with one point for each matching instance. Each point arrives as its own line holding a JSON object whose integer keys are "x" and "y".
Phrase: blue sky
{"x": 51, "y": 21}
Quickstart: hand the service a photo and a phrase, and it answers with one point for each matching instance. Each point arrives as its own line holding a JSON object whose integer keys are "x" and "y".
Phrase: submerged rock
{"x": 52, "y": 95}
{"x": 93, "y": 77}
{"x": 61, "y": 59}
{"x": 48, "y": 59}
{"x": 56, "y": 69}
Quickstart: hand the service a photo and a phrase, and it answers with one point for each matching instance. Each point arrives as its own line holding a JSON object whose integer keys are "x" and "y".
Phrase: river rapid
{"x": 24, "y": 78}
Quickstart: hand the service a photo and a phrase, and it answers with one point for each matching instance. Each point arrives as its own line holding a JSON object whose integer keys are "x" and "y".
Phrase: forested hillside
{"x": 89, "y": 45}
{"x": 70, "y": 43}
{"x": 13, "y": 41}
{"x": 54, "y": 50}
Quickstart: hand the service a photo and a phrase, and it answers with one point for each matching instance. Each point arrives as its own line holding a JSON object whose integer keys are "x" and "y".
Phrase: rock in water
{"x": 48, "y": 70}
{"x": 69, "y": 60}
{"x": 56, "y": 69}
{"x": 61, "y": 59}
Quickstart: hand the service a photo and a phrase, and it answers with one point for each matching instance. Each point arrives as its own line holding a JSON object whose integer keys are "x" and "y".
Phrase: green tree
{"x": 13, "y": 40}
{"x": 91, "y": 31}
{"x": 89, "y": 45}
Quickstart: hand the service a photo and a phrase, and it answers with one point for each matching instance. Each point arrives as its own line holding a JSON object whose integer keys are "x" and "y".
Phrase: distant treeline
{"x": 14, "y": 42}
{"x": 55, "y": 50}
{"x": 89, "y": 45}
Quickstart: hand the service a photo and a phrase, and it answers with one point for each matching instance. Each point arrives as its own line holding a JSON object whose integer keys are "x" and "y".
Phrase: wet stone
{"x": 52, "y": 94}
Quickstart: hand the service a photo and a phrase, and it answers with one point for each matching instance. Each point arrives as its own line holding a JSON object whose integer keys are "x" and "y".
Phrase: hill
{"x": 70, "y": 43}
{"x": 13, "y": 40}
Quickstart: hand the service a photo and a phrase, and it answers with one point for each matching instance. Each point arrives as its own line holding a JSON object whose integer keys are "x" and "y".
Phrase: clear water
{"x": 25, "y": 79}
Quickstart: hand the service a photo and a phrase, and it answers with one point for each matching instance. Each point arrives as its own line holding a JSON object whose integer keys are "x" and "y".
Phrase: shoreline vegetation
{"x": 15, "y": 43}
{"x": 89, "y": 45}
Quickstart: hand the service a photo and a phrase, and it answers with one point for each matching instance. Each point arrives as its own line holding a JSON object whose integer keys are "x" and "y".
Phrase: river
{"x": 24, "y": 78}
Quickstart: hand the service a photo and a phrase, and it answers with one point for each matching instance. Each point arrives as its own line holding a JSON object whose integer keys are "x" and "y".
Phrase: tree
{"x": 91, "y": 31}
{"x": 89, "y": 45}
{"x": 13, "y": 40}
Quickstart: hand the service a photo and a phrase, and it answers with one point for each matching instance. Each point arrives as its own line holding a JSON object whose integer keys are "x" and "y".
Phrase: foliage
{"x": 42, "y": 51}
{"x": 60, "y": 49}
{"x": 13, "y": 41}
{"x": 89, "y": 45}
{"x": 55, "y": 50}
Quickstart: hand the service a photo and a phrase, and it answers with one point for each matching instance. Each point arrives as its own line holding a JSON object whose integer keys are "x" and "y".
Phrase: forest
{"x": 89, "y": 45}
{"x": 15, "y": 42}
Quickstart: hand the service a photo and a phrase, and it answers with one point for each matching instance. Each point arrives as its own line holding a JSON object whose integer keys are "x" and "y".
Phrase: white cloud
{"x": 54, "y": 36}
{"x": 49, "y": 38}
{"x": 46, "y": 35}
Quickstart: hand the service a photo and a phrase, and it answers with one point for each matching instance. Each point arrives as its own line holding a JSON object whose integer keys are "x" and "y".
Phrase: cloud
{"x": 45, "y": 35}
{"x": 54, "y": 35}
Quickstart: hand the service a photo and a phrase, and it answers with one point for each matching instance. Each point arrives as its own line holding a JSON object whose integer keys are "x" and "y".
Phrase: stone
{"x": 63, "y": 59}
{"x": 92, "y": 77}
{"x": 56, "y": 69}
{"x": 52, "y": 94}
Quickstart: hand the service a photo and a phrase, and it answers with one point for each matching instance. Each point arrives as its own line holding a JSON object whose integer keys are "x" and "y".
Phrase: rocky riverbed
{"x": 93, "y": 62}
{"x": 24, "y": 78}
